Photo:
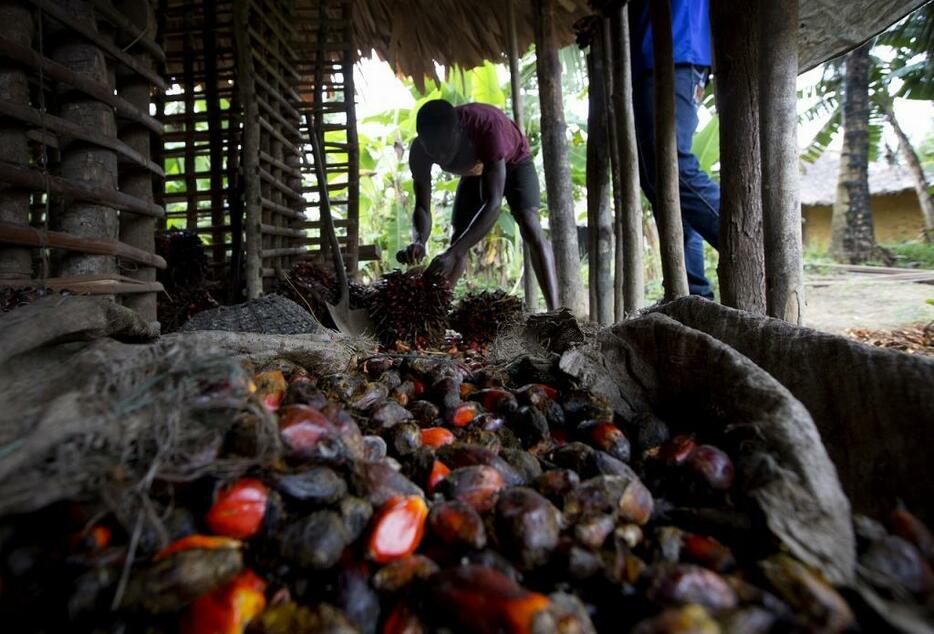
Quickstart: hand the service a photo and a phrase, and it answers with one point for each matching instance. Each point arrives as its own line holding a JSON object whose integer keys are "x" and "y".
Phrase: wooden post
{"x": 555, "y": 153}
{"x": 781, "y": 208}
{"x": 735, "y": 27}
{"x": 246, "y": 90}
{"x": 629, "y": 249}
{"x": 599, "y": 216}
{"x": 191, "y": 181}
{"x": 138, "y": 230}
{"x": 92, "y": 164}
{"x": 529, "y": 290}
{"x": 667, "y": 195}
{"x": 609, "y": 71}
{"x": 15, "y": 25}
{"x": 215, "y": 136}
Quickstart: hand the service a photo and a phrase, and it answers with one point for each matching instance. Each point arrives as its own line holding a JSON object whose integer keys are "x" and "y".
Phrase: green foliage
{"x": 706, "y": 147}
{"x": 913, "y": 254}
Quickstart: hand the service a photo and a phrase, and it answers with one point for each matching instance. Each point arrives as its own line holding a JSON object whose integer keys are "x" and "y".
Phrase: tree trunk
{"x": 629, "y": 246}
{"x": 741, "y": 270}
{"x": 922, "y": 188}
{"x": 610, "y": 80}
{"x": 667, "y": 197}
{"x": 555, "y": 154}
{"x": 529, "y": 289}
{"x": 852, "y": 234}
{"x": 781, "y": 207}
{"x": 599, "y": 217}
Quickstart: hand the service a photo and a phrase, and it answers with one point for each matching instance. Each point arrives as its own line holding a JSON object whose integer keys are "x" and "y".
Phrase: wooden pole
{"x": 609, "y": 72}
{"x": 599, "y": 216}
{"x": 781, "y": 208}
{"x": 562, "y": 224}
{"x": 629, "y": 250}
{"x": 667, "y": 196}
{"x": 16, "y": 24}
{"x": 94, "y": 165}
{"x": 735, "y": 27}
{"x": 191, "y": 183}
{"x": 215, "y": 133}
{"x": 246, "y": 91}
{"x": 515, "y": 81}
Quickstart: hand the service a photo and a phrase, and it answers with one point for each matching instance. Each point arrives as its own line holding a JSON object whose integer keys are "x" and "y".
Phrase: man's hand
{"x": 444, "y": 265}
{"x": 412, "y": 254}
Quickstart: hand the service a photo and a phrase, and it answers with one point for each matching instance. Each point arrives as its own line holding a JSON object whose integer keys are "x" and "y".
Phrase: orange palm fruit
{"x": 191, "y": 542}
{"x": 437, "y": 437}
{"x": 398, "y": 529}
{"x": 239, "y": 509}
{"x": 464, "y": 413}
{"x": 439, "y": 471}
{"x": 229, "y": 609}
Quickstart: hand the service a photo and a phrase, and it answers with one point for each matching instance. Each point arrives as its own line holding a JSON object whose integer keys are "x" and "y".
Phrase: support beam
{"x": 249, "y": 152}
{"x": 735, "y": 27}
{"x": 781, "y": 207}
{"x": 667, "y": 196}
{"x": 555, "y": 153}
{"x": 529, "y": 290}
{"x": 629, "y": 247}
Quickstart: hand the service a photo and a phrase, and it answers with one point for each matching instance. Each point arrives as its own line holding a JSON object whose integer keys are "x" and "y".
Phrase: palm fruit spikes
{"x": 410, "y": 308}
{"x": 479, "y": 317}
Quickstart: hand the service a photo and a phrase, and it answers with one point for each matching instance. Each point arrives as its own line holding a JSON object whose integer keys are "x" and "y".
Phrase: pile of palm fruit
{"x": 186, "y": 278}
{"x": 434, "y": 492}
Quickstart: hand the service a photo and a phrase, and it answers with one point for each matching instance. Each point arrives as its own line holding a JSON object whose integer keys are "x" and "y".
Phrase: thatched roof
{"x": 819, "y": 179}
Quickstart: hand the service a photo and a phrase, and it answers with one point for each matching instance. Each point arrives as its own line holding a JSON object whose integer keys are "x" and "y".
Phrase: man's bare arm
{"x": 420, "y": 166}
{"x": 492, "y": 183}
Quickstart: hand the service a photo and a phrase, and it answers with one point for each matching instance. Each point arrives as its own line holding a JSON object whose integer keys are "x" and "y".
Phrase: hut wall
{"x": 76, "y": 207}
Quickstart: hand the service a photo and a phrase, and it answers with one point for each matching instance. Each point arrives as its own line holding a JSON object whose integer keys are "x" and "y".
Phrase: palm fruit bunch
{"x": 479, "y": 317}
{"x": 185, "y": 278}
{"x": 410, "y": 308}
{"x": 11, "y": 298}
{"x": 311, "y": 286}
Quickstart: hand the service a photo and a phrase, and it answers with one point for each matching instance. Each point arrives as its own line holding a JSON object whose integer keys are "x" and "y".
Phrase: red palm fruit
{"x": 439, "y": 471}
{"x": 910, "y": 528}
{"x": 303, "y": 427}
{"x": 707, "y": 552}
{"x": 192, "y": 542}
{"x": 228, "y": 609}
{"x": 681, "y": 584}
{"x": 676, "y": 450}
{"x": 418, "y": 387}
{"x": 536, "y": 393}
{"x": 457, "y": 524}
{"x": 270, "y": 388}
{"x": 496, "y": 400}
{"x": 96, "y": 538}
{"x": 402, "y": 620}
{"x": 437, "y": 437}
{"x": 239, "y": 509}
{"x": 713, "y": 465}
{"x": 463, "y": 414}
{"x": 605, "y": 436}
{"x": 481, "y": 599}
{"x": 398, "y": 529}
{"x": 477, "y": 486}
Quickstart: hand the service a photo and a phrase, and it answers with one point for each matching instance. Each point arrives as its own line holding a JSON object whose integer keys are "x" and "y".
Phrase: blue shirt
{"x": 690, "y": 27}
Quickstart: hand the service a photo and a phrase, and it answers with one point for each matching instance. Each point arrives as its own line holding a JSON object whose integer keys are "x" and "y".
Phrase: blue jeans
{"x": 700, "y": 196}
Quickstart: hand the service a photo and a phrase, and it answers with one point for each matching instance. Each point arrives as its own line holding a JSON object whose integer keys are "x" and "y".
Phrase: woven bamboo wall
{"x": 76, "y": 178}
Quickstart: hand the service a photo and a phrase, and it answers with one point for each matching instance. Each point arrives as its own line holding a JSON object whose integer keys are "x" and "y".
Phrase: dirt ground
{"x": 856, "y": 302}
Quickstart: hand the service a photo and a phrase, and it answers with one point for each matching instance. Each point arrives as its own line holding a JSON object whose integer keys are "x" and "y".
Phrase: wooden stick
{"x": 667, "y": 195}
{"x": 54, "y": 70}
{"x": 209, "y": 34}
{"x": 275, "y": 94}
{"x": 283, "y": 231}
{"x": 288, "y": 169}
{"x": 69, "y": 128}
{"x": 282, "y": 187}
{"x": 285, "y": 123}
{"x": 353, "y": 151}
{"x": 275, "y": 253}
{"x": 33, "y": 237}
{"x": 781, "y": 209}
{"x": 37, "y": 181}
{"x": 81, "y": 27}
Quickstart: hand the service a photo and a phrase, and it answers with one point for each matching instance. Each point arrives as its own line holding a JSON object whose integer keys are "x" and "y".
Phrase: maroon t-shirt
{"x": 493, "y": 135}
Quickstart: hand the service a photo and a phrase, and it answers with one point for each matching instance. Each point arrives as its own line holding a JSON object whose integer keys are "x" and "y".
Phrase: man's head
{"x": 438, "y": 129}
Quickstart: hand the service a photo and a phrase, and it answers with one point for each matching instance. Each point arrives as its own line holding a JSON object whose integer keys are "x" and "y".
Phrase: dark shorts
{"x": 521, "y": 192}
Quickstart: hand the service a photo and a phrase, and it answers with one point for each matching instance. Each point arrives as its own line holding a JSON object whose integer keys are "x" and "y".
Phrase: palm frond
{"x": 824, "y": 137}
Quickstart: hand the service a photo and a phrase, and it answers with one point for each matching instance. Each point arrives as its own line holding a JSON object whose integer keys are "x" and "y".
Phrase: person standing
{"x": 700, "y": 196}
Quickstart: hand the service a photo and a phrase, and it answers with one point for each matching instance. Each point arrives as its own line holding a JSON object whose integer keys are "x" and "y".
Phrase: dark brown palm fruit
{"x": 292, "y": 618}
{"x": 457, "y": 524}
{"x": 425, "y": 413}
{"x": 315, "y": 541}
{"x": 522, "y": 461}
{"x": 309, "y": 435}
{"x": 480, "y": 438}
{"x": 605, "y": 436}
{"x": 488, "y": 422}
{"x": 406, "y": 438}
{"x": 391, "y": 379}
{"x": 305, "y": 392}
{"x": 389, "y": 414}
{"x": 355, "y": 513}
{"x": 463, "y": 455}
{"x": 496, "y": 400}
{"x": 748, "y": 620}
{"x": 530, "y": 425}
{"x": 477, "y": 486}
{"x": 374, "y": 448}
{"x": 377, "y": 483}
{"x": 527, "y": 526}
{"x": 908, "y": 527}
{"x": 410, "y": 307}
{"x": 895, "y": 562}
{"x": 581, "y": 405}
{"x": 479, "y": 317}
{"x": 668, "y": 543}
{"x": 712, "y": 465}
{"x": 707, "y": 552}
{"x": 375, "y": 366}
{"x": 815, "y": 602}
{"x": 575, "y": 456}
{"x": 479, "y": 599}
{"x": 369, "y": 396}
{"x": 625, "y": 496}
{"x": 674, "y": 452}
{"x": 402, "y": 619}
{"x": 593, "y": 531}
{"x": 681, "y": 584}
{"x": 447, "y": 394}
{"x": 555, "y": 484}
{"x": 581, "y": 563}
{"x": 629, "y": 534}
{"x": 171, "y": 582}
{"x": 536, "y": 394}
{"x": 570, "y": 614}
{"x": 340, "y": 387}
{"x": 347, "y": 428}
{"x": 686, "y": 619}
{"x": 318, "y": 485}
{"x": 649, "y": 431}
{"x": 398, "y": 574}
{"x": 404, "y": 392}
